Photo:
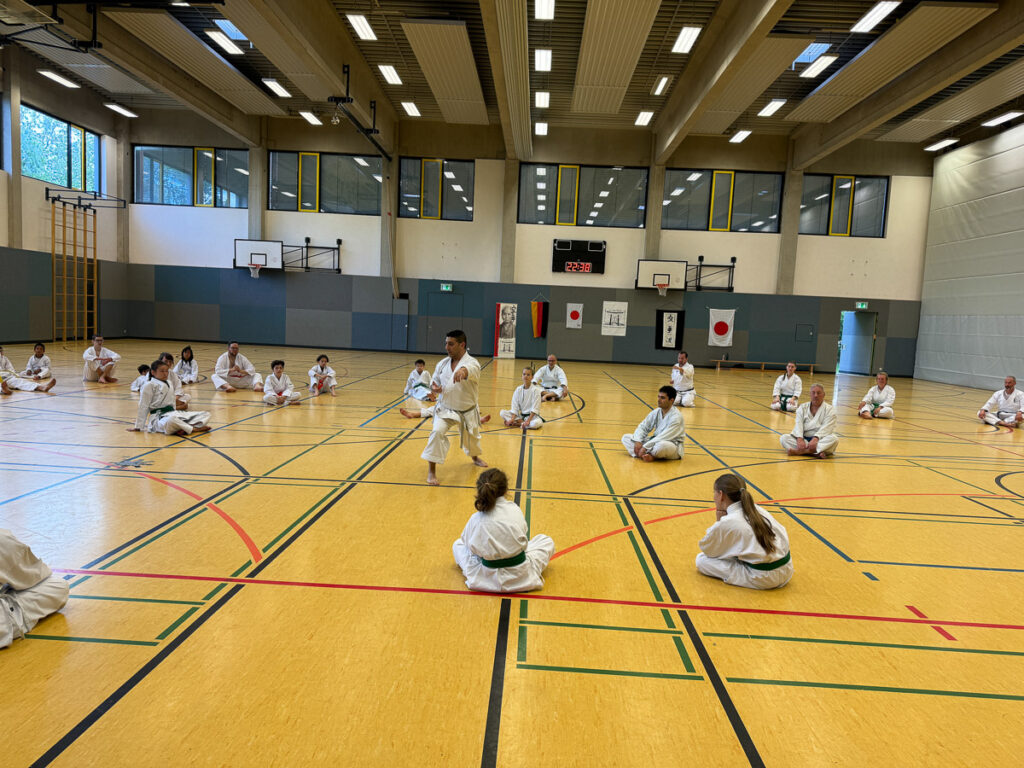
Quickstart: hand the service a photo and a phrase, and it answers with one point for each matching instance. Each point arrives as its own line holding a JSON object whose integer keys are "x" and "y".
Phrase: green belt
{"x": 875, "y": 407}
{"x": 508, "y": 562}
{"x": 165, "y": 409}
{"x": 768, "y": 566}
{"x": 784, "y": 400}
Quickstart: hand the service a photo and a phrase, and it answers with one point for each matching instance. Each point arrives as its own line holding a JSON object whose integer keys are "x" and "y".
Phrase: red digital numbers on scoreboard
{"x": 578, "y": 266}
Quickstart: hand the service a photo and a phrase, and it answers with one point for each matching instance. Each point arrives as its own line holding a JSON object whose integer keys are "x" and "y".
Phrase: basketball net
{"x": 662, "y": 288}
{"x": 254, "y": 271}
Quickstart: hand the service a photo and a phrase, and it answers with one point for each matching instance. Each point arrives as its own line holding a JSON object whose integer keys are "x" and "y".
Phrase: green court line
{"x": 878, "y": 688}
{"x": 304, "y": 515}
{"x": 863, "y": 643}
{"x": 133, "y": 599}
{"x": 1008, "y": 524}
{"x": 521, "y": 651}
{"x": 105, "y": 640}
{"x": 608, "y": 484}
{"x": 76, "y": 582}
{"x": 176, "y": 623}
{"x": 214, "y": 591}
{"x": 523, "y": 609}
{"x": 241, "y": 568}
{"x": 529, "y": 482}
{"x": 613, "y": 672}
{"x": 645, "y": 567}
{"x": 146, "y": 543}
{"x": 601, "y": 626}
{"x": 683, "y": 654}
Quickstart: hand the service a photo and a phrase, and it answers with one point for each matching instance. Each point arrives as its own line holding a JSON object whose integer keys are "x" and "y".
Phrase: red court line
{"x": 940, "y": 630}
{"x": 254, "y": 551}
{"x": 532, "y": 596}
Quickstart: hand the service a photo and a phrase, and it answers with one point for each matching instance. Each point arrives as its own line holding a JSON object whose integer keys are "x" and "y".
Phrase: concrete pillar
{"x": 123, "y": 186}
{"x": 258, "y": 184}
{"x": 652, "y": 225}
{"x": 789, "y": 226}
{"x": 388, "y": 226}
{"x": 509, "y": 213}
{"x": 11, "y": 129}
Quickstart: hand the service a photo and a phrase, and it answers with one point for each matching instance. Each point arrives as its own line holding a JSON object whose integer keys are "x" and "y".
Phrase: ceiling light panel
{"x": 310, "y": 118}
{"x": 276, "y": 88}
{"x": 542, "y": 59}
{"x": 941, "y": 145}
{"x": 446, "y": 59}
{"x": 120, "y": 110}
{"x": 541, "y": 129}
{"x": 872, "y": 18}
{"x": 390, "y": 74}
{"x": 361, "y": 26}
{"x": 686, "y": 39}
{"x": 644, "y": 118}
{"x": 544, "y": 10}
{"x": 225, "y": 42}
{"x": 1003, "y": 118}
{"x": 542, "y": 99}
{"x": 410, "y": 109}
{"x": 771, "y": 108}
{"x": 58, "y": 78}
{"x": 738, "y": 137}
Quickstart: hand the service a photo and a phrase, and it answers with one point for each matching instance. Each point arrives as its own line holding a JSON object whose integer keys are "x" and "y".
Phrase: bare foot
{"x": 485, "y": 419}
{"x": 408, "y": 414}
{"x": 103, "y": 380}
{"x": 295, "y": 402}
{"x": 479, "y": 461}
{"x": 793, "y": 452}
{"x": 647, "y": 457}
{"x": 50, "y": 385}
{"x": 228, "y": 388}
{"x": 432, "y": 479}
{"x": 256, "y": 388}
{"x": 200, "y": 429}
{"x": 333, "y": 393}
{"x": 4, "y": 388}
{"x": 821, "y": 455}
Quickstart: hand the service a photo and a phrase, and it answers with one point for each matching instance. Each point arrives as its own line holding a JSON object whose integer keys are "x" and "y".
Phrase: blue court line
{"x": 870, "y": 575}
{"x": 950, "y": 567}
{"x": 730, "y": 410}
{"x": 386, "y": 409}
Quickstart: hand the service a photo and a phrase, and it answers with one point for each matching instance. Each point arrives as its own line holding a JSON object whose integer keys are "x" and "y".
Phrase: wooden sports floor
{"x": 281, "y": 590}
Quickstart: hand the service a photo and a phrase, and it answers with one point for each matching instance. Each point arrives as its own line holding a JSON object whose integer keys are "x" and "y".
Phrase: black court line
{"x": 125, "y": 688}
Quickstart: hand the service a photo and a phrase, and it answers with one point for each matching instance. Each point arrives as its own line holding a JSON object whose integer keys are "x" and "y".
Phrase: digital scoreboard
{"x": 578, "y": 256}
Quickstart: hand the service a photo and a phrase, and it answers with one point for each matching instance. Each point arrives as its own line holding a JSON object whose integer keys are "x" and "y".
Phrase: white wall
{"x": 757, "y": 254}
{"x": 360, "y": 236}
{"x": 185, "y": 236}
{"x": 35, "y": 220}
{"x": 533, "y": 255}
{"x": 458, "y": 250}
{"x": 877, "y": 268}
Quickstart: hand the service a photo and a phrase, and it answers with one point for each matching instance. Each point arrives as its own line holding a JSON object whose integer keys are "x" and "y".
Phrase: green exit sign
{"x": 447, "y": 288}
{"x": 859, "y": 304}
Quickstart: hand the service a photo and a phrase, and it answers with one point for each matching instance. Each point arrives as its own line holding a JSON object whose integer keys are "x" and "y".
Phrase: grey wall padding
{"x": 972, "y": 297}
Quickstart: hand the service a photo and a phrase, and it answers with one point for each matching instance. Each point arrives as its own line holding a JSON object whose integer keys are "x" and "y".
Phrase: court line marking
{"x": 879, "y": 688}
{"x": 940, "y": 630}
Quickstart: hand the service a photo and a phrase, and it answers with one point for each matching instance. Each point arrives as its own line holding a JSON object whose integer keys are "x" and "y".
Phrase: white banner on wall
{"x": 573, "y": 315}
{"x": 613, "y": 318}
{"x": 505, "y": 316}
{"x": 720, "y": 323}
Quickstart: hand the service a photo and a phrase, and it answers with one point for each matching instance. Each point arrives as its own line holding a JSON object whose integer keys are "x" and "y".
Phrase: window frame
{"x": 441, "y": 216}
{"x": 71, "y": 128}
{"x": 299, "y": 154}
{"x": 853, "y": 188}
{"x": 213, "y": 176}
{"x": 711, "y": 201}
{"x": 579, "y": 173}
{"x": 732, "y": 198}
{"x": 195, "y": 177}
{"x": 575, "y": 197}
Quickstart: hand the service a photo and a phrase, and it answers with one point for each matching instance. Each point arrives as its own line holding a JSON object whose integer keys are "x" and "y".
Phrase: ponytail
{"x": 490, "y": 486}
{"x": 736, "y": 490}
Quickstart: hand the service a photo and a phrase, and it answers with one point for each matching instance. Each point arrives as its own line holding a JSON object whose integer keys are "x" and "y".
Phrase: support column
{"x": 388, "y": 226}
{"x": 123, "y": 183}
{"x": 509, "y": 213}
{"x": 652, "y": 225}
{"x": 258, "y": 184}
{"x": 11, "y": 129}
{"x": 789, "y": 226}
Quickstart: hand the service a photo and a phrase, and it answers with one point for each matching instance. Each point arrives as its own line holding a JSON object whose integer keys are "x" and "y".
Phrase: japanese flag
{"x": 720, "y": 326}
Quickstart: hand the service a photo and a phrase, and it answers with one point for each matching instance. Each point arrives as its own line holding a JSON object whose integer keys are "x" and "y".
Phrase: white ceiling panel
{"x": 928, "y": 27}
{"x": 88, "y": 67}
{"x": 165, "y": 35}
{"x": 446, "y": 58}
{"x": 614, "y": 35}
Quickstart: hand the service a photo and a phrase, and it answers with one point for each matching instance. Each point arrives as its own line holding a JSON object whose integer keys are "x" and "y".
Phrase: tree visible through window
{"x": 58, "y": 153}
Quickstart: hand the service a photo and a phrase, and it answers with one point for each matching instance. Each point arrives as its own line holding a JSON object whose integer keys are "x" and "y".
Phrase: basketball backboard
{"x": 650, "y": 272}
{"x": 266, "y": 253}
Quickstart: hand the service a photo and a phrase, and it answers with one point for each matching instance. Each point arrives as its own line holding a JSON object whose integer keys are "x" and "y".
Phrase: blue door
{"x": 857, "y": 342}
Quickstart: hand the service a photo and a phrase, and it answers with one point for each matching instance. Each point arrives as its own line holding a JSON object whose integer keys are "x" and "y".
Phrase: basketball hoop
{"x": 254, "y": 272}
{"x": 662, "y": 288}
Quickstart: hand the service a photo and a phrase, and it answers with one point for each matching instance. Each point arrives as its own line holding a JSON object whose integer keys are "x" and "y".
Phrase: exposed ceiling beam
{"x": 128, "y": 52}
{"x": 735, "y": 32}
{"x": 505, "y": 28}
{"x": 1000, "y": 32}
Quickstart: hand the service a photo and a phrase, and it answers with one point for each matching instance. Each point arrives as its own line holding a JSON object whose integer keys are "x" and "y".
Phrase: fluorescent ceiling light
{"x": 449, "y": 175}
{"x": 742, "y": 229}
{"x": 310, "y": 118}
{"x": 457, "y": 187}
{"x": 687, "y": 37}
{"x": 469, "y": 207}
{"x": 1002, "y": 119}
{"x": 666, "y": 202}
{"x": 180, "y": 5}
{"x": 230, "y": 29}
{"x": 224, "y": 42}
{"x": 593, "y": 214}
{"x": 603, "y": 193}
{"x": 644, "y": 118}
{"x": 774, "y": 216}
{"x": 544, "y": 9}
{"x": 242, "y": 171}
{"x": 940, "y": 145}
{"x": 660, "y": 87}
{"x": 590, "y": 221}
{"x": 542, "y": 197}
{"x": 678, "y": 191}
{"x": 288, "y": 194}
{"x": 390, "y": 74}
{"x": 694, "y": 176}
{"x": 845, "y": 186}
{"x": 276, "y": 87}
{"x": 821, "y": 197}
{"x": 542, "y": 99}
{"x": 771, "y": 107}
{"x": 410, "y": 109}
{"x": 120, "y": 110}
{"x": 599, "y": 205}
{"x": 757, "y": 224}
{"x": 378, "y": 178}
{"x": 870, "y": 19}
{"x": 58, "y": 79}
{"x": 208, "y": 154}
{"x": 738, "y": 137}
{"x": 361, "y": 26}
{"x": 542, "y": 59}
{"x": 542, "y": 207}
{"x": 541, "y": 129}
{"x": 820, "y": 65}
{"x": 611, "y": 179}
{"x": 542, "y": 185}
{"x": 542, "y": 171}
{"x": 465, "y": 200}
{"x": 362, "y": 162}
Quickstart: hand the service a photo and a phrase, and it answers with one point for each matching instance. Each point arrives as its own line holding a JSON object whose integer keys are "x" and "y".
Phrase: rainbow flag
{"x": 539, "y": 313}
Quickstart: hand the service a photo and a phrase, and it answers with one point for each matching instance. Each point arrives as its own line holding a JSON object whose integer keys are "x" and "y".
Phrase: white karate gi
{"x": 807, "y": 425}
{"x": 669, "y": 433}
{"x": 882, "y": 398}
{"x": 92, "y": 365}
{"x": 499, "y": 534}
{"x": 682, "y": 380}
{"x": 279, "y": 387}
{"x": 187, "y": 371}
{"x": 11, "y": 378}
{"x": 525, "y": 400}
{"x": 29, "y": 590}
{"x": 330, "y": 381}
{"x": 730, "y": 544}
{"x": 175, "y": 382}
{"x": 458, "y": 404}
{"x": 789, "y": 387}
{"x": 140, "y": 382}
{"x": 1000, "y": 407}
{"x": 157, "y": 414}
{"x": 251, "y": 379}
{"x": 552, "y": 380}
{"x": 37, "y": 366}
{"x": 417, "y": 385}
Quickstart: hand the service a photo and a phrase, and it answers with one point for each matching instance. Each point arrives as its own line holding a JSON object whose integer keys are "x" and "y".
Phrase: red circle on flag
{"x": 721, "y": 328}
{"x": 575, "y": 314}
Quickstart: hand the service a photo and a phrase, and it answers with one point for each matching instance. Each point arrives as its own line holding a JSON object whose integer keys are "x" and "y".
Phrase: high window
{"x": 206, "y": 177}
{"x": 59, "y": 152}
{"x": 721, "y": 201}
{"x": 582, "y": 195}
{"x": 844, "y": 206}
{"x": 434, "y": 188}
{"x": 322, "y": 182}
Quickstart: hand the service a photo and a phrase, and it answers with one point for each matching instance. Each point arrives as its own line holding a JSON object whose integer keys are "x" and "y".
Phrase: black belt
{"x": 508, "y": 562}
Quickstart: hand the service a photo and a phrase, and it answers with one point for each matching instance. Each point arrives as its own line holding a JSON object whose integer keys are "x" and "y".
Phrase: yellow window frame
{"x": 196, "y": 194}
{"x": 440, "y": 185}
{"x": 575, "y": 197}
{"x": 711, "y": 207}
{"x": 81, "y": 133}
{"x": 849, "y": 212}
{"x": 316, "y": 201}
